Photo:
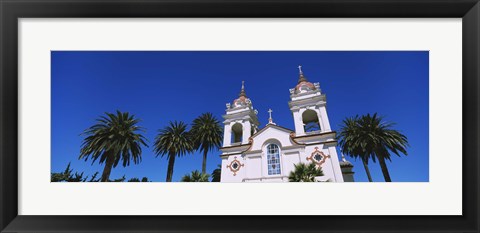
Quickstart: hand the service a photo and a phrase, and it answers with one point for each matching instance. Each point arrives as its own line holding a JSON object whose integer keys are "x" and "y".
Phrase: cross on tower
{"x": 300, "y": 69}
{"x": 270, "y": 120}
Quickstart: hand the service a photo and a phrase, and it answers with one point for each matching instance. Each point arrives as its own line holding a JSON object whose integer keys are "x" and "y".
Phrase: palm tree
{"x": 195, "y": 176}
{"x": 174, "y": 140}
{"x": 377, "y": 139}
{"x": 207, "y": 135}
{"x": 380, "y": 140}
{"x": 350, "y": 143}
{"x": 305, "y": 173}
{"x": 216, "y": 174}
{"x": 113, "y": 139}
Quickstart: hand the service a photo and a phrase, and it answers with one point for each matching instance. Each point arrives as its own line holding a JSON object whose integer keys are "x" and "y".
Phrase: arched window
{"x": 273, "y": 159}
{"x": 310, "y": 121}
{"x": 237, "y": 133}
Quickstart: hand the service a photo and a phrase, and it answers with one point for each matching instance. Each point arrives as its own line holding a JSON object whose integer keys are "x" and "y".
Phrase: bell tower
{"x": 308, "y": 106}
{"x": 240, "y": 120}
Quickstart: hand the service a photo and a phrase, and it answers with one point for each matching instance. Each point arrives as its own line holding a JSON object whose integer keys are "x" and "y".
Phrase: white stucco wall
{"x": 254, "y": 157}
{"x": 227, "y": 134}
{"x": 254, "y": 160}
{"x": 254, "y": 166}
{"x": 290, "y": 159}
{"x": 227, "y": 175}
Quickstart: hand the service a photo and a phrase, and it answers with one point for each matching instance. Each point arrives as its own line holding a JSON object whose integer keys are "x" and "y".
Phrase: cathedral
{"x": 269, "y": 154}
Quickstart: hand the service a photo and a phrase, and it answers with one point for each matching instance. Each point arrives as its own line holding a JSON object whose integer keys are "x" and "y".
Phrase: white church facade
{"x": 251, "y": 154}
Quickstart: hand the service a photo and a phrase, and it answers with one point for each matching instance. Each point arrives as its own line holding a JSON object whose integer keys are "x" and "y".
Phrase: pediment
{"x": 271, "y": 127}
{"x": 271, "y": 133}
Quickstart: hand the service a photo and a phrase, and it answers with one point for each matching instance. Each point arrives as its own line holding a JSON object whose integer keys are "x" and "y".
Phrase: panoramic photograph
{"x": 240, "y": 116}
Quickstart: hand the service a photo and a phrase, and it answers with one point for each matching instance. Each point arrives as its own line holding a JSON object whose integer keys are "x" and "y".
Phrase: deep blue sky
{"x": 159, "y": 87}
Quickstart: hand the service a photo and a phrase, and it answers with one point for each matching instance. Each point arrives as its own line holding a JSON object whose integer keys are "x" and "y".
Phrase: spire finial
{"x": 270, "y": 120}
{"x": 343, "y": 157}
{"x": 242, "y": 92}
{"x": 300, "y": 69}
{"x": 301, "y": 78}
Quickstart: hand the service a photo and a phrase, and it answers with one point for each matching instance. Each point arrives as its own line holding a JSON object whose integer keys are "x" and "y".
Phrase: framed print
{"x": 230, "y": 116}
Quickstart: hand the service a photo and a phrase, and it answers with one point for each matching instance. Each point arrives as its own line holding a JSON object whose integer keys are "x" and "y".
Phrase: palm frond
{"x": 195, "y": 176}
{"x": 115, "y": 135}
{"x": 173, "y": 140}
{"x": 305, "y": 173}
{"x": 206, "y": 132}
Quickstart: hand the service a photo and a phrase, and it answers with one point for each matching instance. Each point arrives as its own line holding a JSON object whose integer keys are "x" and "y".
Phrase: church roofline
{"x": 317, "y": 134}
{"x": 227, "y": 155}
{"x": 313, "y": 143}
{"x": 240, "y": 145}
{"x": 320, "y": 143}
{"x": 271, "y": 125}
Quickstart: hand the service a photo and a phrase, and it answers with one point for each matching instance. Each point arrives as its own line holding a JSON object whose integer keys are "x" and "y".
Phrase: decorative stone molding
{"x": 318, "y": 157}
{"x": 235, "y": 166}
{"x": 250, "y": 141}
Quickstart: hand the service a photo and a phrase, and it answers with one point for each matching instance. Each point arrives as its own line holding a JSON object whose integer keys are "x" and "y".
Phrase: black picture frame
{"x": 11, "y": 11}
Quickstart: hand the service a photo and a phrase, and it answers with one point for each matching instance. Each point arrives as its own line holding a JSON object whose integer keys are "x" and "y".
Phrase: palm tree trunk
{"x": 171, "y": 162}
{"x": 204, "y": 163}
{"x": 108, "y": 167}
{"x": 365, "y": 165}
{"x": 383, "y": 165}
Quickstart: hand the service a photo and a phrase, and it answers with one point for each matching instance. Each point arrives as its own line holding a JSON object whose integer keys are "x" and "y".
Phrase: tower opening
{"x": 310, "y": 121}
{"x": 237, "y": 133}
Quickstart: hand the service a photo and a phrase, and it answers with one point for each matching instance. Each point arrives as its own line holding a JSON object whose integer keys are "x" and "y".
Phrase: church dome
{"x": 303, "y": 84}
{"x": 242, "y": 99}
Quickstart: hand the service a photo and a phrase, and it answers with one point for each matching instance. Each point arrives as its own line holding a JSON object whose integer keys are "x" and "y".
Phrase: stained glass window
{"x": 273, "y": 159}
